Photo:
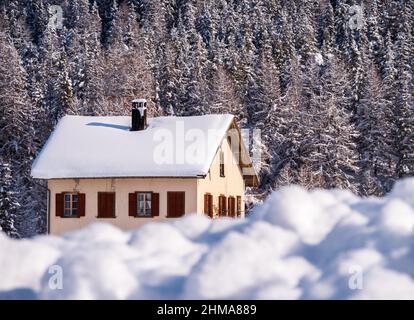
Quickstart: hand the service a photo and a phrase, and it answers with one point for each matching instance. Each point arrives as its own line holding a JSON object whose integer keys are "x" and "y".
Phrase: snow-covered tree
{"x": 404, "y": 102}
{"x": 376, "y": 127}
{"x": 333, "y": 100}
{"x": 9, "y": 204}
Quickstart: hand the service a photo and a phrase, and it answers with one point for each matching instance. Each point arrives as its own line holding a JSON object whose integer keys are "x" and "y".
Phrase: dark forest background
{"x": 330, "y": 89}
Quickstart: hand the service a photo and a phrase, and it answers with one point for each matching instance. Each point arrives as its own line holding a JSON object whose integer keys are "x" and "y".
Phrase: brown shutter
{"x": 106, "y": 204}
{"x": 81, "y": 204}
{"x": 229, "y": 206}
{"x": 132, "y": 201}
{"x": 210, "y": 205}
{"x": 233, "y": 207}
{"x": 180, "y": 204}
{"x": 155, "y": 204}
{"x": 113, "y": 204}
{"x": 220, "y": 205}
{"x": 175, "y": 204}
{"x": 59, "y": 204}
{"x": 101, "y": 205}
{"x": 171, "y": 206}
{"x": 238, "y": 206}
{"x": 206, "y": 204}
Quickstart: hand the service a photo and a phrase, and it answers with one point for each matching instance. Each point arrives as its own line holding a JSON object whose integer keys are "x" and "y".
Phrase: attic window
{"x": 221, "y": 163}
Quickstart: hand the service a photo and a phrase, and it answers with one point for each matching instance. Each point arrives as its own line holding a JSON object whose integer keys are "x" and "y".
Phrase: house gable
{"x": 239, "y": 154}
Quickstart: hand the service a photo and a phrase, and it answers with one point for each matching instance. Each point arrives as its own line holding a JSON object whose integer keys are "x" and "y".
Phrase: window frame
{"x": 210, "y": 205}
{"x": 222, "y": 169}
{"x": 71, "y": 207}
{"x": 223, "y": 210}
{"x": 137, "y": 213}
{"x": 231, "y": 207}
{"x": 238, "y": 206}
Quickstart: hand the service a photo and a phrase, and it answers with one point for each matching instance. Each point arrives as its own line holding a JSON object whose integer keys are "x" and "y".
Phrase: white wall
{"x": 230, "y": 185}
{"x": 122, "y": 187}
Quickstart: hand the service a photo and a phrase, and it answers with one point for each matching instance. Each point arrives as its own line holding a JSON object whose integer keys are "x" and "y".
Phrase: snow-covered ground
{"x": 297, "y": 245}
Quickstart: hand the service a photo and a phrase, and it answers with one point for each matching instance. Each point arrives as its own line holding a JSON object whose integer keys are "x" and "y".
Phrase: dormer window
{"x": 222, "y": 163}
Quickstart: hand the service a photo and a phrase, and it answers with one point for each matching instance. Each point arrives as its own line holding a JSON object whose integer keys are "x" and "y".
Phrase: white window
{"x": 144, "y": 204}
{"x": 71, "y": 205}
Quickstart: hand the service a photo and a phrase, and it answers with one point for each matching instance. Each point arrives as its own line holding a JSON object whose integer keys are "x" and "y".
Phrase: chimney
{"x": 139, "y": 115}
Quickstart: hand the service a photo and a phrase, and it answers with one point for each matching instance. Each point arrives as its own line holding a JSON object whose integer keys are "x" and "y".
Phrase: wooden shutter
{"x": 220, "y": 200}
{"x": 155, "y": 204}
{"x": 238, "y": 206}
{"x": 175, "y": 204}
{"x": 180, "y": 210}
{"x": 232, "y": 207}
{"x": 206, "y": 207}
{"x": 171, "y": 205}
{"x": 81, "y": 204}
{"x": 210, "y": 205}
{"x": 222, "y": 206}
{"x": 132, "y": 204}
{"x": 101, "y": 205}
{"x": 106, "y": 204}
{"x": 59, "y": 204}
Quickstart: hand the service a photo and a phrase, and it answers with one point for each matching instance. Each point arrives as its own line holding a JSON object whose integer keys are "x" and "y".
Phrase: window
{"x": 232, "y": 207}
{"x": 208, "y": 205}
{"x": 144, "y": 207}
{"x": 106, "y": 204}
{"x": 222, "y": 206}
{"x": 70, "y": 205}
{"x": 144, "y": 204}
{"x": 221, "y": 163}
{"x": 239, "y": 206}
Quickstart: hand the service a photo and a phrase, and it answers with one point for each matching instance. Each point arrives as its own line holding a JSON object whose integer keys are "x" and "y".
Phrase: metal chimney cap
{"x": 139, "y": 101}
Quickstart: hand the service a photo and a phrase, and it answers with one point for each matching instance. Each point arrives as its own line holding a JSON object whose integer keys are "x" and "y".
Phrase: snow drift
{"x": 297, "y": 245}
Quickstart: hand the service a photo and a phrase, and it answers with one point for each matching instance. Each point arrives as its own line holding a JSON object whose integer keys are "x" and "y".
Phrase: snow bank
{"x": 297, "y": 245}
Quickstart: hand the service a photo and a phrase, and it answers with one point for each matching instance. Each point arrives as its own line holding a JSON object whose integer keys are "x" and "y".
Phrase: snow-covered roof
{"x": 85, "y": 146}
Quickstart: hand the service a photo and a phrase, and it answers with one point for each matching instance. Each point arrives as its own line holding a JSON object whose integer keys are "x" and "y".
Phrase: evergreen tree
{"x": 87, "y": 57}
{"x": 333, "y": 102}
{"x": 17, "y": 145}
{"x": 404, "y": 103}
{"x": 128, "y": 75}
{"x": 376, "y": 131}
{"x": 9, "y": 205}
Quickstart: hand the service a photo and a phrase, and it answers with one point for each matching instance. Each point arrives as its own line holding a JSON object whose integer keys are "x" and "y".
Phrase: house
{"x": 131, "y": 170}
